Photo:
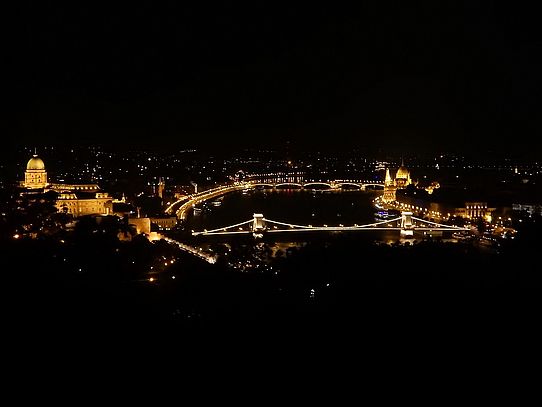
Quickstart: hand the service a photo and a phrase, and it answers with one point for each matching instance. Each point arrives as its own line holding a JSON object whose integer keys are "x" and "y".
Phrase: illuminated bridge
{"x": 337, "y": 184}
{"x": 258, "y": 225}
{"x": 182, "y": 206}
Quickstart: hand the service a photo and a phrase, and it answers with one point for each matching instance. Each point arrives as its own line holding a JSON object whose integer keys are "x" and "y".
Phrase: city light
{"x": 262, "y": 180}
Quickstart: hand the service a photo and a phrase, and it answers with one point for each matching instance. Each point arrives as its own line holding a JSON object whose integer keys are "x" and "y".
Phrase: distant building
{"x": 161, "y": 187}
{"x": 74, "y": 199}
{"x": 164, "y": 222}
{"x": 531, "y": 209}
{"x": 431, "y": 187}
{"x": 142, "y": 225}
{"x": 35, "y": 176}
{"x": 475, "y": 210}
{"x": 391, "y": 185}
{"x": 122, "y": 208}
{"x": 80, "y": 204}
{"x": 158, "y": 188}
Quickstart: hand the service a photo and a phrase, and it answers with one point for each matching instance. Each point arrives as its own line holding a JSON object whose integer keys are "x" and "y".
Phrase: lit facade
{"x": 73, "y": 199}
{"x": 77, "y": 205}
{"x": 35, "y": 176}
{"x": 167, "y": 223}
{"x": 475, "y": 210}
{"x": 391, "y": 185}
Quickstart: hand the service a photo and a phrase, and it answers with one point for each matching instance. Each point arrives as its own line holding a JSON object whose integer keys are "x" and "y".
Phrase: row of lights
{"x": 419, "y": 208}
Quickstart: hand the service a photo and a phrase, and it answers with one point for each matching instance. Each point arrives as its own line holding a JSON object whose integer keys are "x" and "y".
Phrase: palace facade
{"x": 74, "y": 199}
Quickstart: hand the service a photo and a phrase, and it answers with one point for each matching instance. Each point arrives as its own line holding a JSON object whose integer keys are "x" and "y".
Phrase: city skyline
{"x": 231, "y": 238}
{"x": 192, "y": 165}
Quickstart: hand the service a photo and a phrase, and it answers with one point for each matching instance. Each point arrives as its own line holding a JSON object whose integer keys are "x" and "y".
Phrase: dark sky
{"x": 414, "y": 76}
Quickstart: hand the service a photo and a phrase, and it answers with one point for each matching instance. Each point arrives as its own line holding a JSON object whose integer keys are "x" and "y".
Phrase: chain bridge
{"x": 406, "y": 224}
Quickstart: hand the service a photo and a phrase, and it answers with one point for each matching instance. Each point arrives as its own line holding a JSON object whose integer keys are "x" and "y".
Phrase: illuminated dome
{"x": 35, "y": 163}
{"x": 402, "y": 172}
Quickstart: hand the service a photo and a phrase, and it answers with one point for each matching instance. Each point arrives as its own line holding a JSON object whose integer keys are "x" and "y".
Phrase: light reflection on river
{"x": 302, "y": 207}
{"x": 291, "y": 206}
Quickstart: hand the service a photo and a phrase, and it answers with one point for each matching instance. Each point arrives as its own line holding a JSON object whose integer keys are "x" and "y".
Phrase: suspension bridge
{"x": 406, "y": 224}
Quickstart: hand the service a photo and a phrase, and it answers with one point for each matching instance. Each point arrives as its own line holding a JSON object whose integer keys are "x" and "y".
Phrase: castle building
{"x": 74, "y": 199}
{"x": 80, "y": 204}
{"x": 35, "y": 176}
{"x": 391, "y": 185}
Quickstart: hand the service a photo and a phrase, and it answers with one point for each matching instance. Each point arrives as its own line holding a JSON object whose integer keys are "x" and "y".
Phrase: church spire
{"x": 388, "y": 177}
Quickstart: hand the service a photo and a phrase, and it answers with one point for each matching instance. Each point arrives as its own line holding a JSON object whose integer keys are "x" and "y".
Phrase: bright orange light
{"x": 151, "y": 279}
{"x": 16, "y": 236}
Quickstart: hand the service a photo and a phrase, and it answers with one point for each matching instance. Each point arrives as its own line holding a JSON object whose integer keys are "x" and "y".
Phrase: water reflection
{"x": 290, "y": 206}
{"x": 331, "y": 208}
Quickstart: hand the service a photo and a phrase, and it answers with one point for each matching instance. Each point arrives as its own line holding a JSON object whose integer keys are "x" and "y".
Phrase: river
{"x": 301, "y": 207}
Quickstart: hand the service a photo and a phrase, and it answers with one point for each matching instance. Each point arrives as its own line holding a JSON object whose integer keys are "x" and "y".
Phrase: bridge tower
{"x": 258, "y": 225}
{"x": 407, "y": 227}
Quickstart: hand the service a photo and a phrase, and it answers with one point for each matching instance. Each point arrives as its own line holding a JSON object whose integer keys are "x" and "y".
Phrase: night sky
{"x": 399, "y": 76}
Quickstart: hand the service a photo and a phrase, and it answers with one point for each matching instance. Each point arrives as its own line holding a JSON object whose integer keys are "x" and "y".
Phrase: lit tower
{"x": 389, "y": 188}
{"x": 160, "y": 189}
{"x": 388, "y": 180}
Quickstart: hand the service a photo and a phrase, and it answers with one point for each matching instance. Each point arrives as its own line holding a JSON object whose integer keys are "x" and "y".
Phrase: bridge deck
{"x": 282, "y": 227}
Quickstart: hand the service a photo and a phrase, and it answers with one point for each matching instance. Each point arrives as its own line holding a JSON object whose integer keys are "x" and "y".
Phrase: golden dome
{"x": 402, "y": 172}
{"x": 35, "y": 163}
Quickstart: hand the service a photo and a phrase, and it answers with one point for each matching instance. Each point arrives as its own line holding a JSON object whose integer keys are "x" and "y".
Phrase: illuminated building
{"x": 389, "y": 188}
{"x": 402, "y": 177}
{"x": 74, "y": 199}
{"x": 475, "y": 210}
{"x": 402, "y": 180}
{"x": 35, "y": 176}
{"x": 142, "y": 225}
{"x": 160, "y": 188}
{"x": 164, "y": 222}
{"x": 529, "y": 208}
{"x": 80, "y": 204}
{"x": 430, "y": 188}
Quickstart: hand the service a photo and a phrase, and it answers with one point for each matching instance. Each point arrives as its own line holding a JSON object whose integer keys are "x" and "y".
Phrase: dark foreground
{"x": 102, "y": 285}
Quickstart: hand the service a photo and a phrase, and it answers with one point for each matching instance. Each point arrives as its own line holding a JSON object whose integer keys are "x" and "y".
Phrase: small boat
{"x": 197, "y": 211}
{"x": 386, "y": 214}
{"x": 217, "y": 203}
{"x": 463, "y": 236}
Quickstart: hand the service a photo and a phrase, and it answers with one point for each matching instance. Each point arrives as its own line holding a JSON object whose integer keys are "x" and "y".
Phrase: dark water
{"x": 299, "y": 207}
{"x": 290, "y": 206}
